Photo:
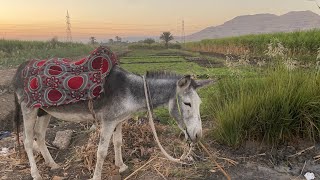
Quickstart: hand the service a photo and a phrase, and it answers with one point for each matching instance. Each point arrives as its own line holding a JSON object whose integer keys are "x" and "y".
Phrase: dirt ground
{"x": 250, "y": 161}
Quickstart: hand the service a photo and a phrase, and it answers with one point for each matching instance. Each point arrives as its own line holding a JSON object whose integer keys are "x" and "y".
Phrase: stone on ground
{"x": 62, "y": 139}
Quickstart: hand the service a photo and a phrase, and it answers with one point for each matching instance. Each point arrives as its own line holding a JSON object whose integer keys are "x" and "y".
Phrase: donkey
{"x": 123, "y": 95}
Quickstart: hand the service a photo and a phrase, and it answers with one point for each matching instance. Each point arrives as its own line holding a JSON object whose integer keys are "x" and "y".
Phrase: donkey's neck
{"x": 160, "y": 91}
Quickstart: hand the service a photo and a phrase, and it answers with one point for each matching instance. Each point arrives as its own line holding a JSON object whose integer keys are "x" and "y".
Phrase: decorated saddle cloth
{"x": 59, "y": 81}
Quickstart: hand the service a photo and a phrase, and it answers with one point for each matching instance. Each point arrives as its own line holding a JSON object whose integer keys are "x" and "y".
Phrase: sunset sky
{"x": 104, "y": 19}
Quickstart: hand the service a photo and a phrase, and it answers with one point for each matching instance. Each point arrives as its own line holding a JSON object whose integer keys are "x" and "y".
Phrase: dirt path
{"x": 6, "y": 98}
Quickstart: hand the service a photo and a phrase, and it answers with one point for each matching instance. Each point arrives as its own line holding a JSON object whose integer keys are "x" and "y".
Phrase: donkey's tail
{"x": 17, "y": 119}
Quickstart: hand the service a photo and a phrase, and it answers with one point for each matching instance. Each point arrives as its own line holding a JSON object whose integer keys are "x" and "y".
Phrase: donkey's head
{"x": 185, "y": 107}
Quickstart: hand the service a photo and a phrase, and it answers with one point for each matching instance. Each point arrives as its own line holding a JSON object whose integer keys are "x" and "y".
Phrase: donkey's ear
{"x": 203, "y": 83}
{"x": 184, "y": 82}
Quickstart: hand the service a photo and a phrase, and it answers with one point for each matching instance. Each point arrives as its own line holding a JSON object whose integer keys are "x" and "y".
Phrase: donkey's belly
{"x": 72, "y": 117}
{"x": 76, "y": 112}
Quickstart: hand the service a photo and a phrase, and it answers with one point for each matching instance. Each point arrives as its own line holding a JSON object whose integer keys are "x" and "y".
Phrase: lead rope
{"x": 186, "y": 153}
{"x": 154, "y": 129}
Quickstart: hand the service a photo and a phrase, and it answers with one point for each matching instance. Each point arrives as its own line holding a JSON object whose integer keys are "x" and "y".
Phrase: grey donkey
{"x": 123, "y": 95}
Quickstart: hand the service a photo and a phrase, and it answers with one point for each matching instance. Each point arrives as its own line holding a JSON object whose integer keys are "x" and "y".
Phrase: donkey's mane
{"x": 162, "y": 75}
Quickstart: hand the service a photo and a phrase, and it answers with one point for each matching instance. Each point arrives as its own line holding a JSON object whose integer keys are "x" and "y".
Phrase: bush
{"x": 274, "y": 108}
{"x": 175, "y": 46}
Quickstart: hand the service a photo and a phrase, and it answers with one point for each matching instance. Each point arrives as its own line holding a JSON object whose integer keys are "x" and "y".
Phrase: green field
{"x": 301, "y": 45}
{"x": 13, "y": 52}
{"x": 176, "y": 64}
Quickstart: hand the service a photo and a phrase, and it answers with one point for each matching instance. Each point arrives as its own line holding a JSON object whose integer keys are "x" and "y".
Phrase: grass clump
{"x": 273, "y": 108}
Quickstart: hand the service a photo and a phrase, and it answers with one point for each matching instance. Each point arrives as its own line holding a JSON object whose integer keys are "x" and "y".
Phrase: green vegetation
{"x": 149, "y": 41}
{"x": 152, "y": 46}
{"x": 140, "y": 61}
{"x": 14, "y": 52}
{"x": 302, "y": 45}
{"x": 274, "y": 108}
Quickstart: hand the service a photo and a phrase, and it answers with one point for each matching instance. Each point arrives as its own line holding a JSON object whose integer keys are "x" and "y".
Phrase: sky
{"x": 104, "y": 19}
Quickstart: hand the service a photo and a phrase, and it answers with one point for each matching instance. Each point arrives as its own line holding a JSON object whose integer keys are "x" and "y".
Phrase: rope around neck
{"x": 154, "y": 129}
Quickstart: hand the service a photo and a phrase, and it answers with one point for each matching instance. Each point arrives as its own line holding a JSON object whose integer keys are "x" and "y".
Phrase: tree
{"x": 118, "y": 39}
{"x": 92, "y": 40}
{"x": 111, "y": 41}
{"x": 166, "y": 37}
{"x": 149, "y": 41}
{"x": 54, "y": 41}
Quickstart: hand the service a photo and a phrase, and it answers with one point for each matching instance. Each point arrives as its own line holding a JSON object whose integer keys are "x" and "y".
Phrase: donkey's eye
{"x": 187, "y": 104}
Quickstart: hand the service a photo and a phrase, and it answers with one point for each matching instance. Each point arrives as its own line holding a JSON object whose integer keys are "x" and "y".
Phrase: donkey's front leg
{"x": 107, "y": 129}
{"x": 117, "y": 143}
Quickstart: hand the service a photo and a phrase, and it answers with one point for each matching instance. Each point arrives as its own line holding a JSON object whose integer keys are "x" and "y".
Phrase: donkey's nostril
{"x": 198, "y": 136}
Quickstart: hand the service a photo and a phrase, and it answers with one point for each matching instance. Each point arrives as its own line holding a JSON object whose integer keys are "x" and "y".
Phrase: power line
{"x": 69, "y": 36}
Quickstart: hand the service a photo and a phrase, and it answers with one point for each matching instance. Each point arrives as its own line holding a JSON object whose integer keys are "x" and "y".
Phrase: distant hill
{"x": 260, "y": 23}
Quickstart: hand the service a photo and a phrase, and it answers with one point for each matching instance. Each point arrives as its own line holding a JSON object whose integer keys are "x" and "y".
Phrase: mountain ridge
{"x": 258, "y": 24}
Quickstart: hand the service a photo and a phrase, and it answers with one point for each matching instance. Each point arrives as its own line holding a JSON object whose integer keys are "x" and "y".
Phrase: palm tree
{"x": 118, "y": 39}
{"x": 166, "y": 37}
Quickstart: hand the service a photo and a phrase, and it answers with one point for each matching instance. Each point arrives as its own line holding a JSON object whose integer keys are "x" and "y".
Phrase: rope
{"x": 155, "y": 132}
{"x": 91, "y": 109}
{"x": 90, "y": 106}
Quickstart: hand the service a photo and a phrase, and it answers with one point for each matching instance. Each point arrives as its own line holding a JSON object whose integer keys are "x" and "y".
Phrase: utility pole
{"x": 183, "y": 35}
{"x": 68, "y": 30}
{"x": 317, "y": 4}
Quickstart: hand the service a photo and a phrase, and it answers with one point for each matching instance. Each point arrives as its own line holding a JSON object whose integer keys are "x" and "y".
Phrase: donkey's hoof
{"x": 37, "y": 177}
{"x": 123, "y": 168}
{"x": 54, "y": 166}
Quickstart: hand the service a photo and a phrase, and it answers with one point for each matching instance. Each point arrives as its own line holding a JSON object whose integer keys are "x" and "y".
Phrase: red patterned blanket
{"x": 59, "y": 81}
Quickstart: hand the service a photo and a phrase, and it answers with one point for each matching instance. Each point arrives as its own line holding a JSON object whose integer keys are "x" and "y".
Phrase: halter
{"x": 185, "y": 154}
{"x": 180, "y": 113}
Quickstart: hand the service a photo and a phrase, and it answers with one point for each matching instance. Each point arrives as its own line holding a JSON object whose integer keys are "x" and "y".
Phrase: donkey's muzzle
{"x": 195, "y": 135}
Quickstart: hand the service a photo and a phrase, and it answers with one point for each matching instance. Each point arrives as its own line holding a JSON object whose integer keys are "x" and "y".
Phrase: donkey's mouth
{"x": 194, "y": 137}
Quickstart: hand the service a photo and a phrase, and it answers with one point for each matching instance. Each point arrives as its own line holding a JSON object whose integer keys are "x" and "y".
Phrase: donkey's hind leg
{"x": 106, "y": 131}
{"x": 40, "y": 134}
{"x": 29, "y": 120}
{"x": 117, "y": 143}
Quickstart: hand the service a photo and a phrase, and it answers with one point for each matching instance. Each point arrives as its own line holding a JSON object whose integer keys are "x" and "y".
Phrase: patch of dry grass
{"x": 144, "y": 159}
